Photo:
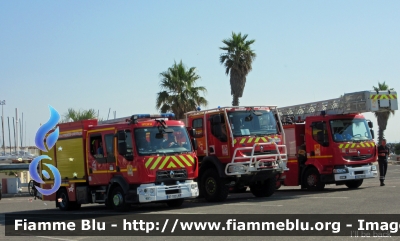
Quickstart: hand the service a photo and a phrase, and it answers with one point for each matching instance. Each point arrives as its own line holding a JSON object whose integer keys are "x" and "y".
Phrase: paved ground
{"x": 369, "y": 199}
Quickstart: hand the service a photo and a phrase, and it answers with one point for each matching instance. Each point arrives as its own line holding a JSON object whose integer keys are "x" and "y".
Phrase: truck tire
{"x": 214, "y": 186}
{"x": 175, "y": 203}
{"x": 354, "y": 184}
{"x": 117, "y": 199}
{"x": 265, "y": 188}
{"x": 64, "y": 204}
{"x": 312, "y": 180}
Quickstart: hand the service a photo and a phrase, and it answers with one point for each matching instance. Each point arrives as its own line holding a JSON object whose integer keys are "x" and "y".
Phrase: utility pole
{"x": 9, "y": 133}
{"x": 22, "y": 129}
{"x": 21, "y": 133}
{"x": 16, "y": 132}
{"x": 2, "y": 103}
{"x": 15, "y": 144}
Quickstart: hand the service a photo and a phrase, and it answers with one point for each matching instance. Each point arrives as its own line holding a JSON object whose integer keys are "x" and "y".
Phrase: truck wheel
{"x": 175, "y": 203}
{"x": 64, "y": 204}
{"x": 117, "y": 199}
{"x": 31, "y": 187}
{"x": 265, "y": 188}
{"x": 214, "y": 187}
{"x": 354, "y": 184}
{"x": 312, "y": 180}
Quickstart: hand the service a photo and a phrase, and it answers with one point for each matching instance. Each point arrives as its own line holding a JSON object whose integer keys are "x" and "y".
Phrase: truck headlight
{"x": 373, "y": 168}
{"x": 193, "y": 186}
{"x": 240, "y": 169}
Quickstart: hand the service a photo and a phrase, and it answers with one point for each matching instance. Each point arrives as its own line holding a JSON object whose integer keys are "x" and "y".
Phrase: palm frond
{"x": 179, "y": 93}
{"x": 237, "y": 60}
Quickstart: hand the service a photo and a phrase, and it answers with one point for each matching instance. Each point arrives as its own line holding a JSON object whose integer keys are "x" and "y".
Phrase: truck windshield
{"x": 350, "y": 130}
{"x": 244, "y": 123}
{"x": 148, "y": 144}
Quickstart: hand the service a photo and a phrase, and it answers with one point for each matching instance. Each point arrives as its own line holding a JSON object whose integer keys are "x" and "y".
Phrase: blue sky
{"x": 108, "y": 54}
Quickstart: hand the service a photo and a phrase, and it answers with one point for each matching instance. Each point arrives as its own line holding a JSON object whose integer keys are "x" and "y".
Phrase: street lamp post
{"x": 2, "y": 103}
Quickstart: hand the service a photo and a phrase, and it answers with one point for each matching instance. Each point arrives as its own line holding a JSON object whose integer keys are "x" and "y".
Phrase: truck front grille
{"x": 170, "y": 175}
{"x": 257, "y": 153}
{"x": 357, "y": 158}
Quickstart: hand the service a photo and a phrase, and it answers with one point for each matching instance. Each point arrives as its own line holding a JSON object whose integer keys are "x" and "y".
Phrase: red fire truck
{"x": 330, "y": 141}
{"x": 238, "y": 147}
{"x": 139, "y": 159}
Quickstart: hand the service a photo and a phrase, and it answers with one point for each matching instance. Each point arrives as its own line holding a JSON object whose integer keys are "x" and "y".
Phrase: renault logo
{"x": 261, "y": 148}
{"x": 358, "y": 152}
{"x": 171, "y": 174}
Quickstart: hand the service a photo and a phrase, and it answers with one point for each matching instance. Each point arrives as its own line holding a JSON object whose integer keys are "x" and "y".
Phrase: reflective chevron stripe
{"x": 250, "y": 140}
{"x": 357, "y": 145}
{"x": 169, "y": 162}
{"x": 382, "y": 97}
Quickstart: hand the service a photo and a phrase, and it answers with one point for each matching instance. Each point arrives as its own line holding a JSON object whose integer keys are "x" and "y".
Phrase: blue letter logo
{"x": 50, "y": 142}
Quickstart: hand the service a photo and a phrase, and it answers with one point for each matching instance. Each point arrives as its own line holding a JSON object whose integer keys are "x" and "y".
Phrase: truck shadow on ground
{"x": 162, "y": 208}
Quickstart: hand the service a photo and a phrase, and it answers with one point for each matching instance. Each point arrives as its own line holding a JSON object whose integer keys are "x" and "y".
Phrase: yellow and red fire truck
{"x": 238, "y": 147}
{"x": 139, "y": 159}
{"x": 330, "y": 141}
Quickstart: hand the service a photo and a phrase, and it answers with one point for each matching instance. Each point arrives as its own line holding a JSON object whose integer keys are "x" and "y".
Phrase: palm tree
{"x": 74, "y": 115}
{"x": 382, "y": 117}
{"x": 178, "y": 91}
{"x": 237, "y": 61}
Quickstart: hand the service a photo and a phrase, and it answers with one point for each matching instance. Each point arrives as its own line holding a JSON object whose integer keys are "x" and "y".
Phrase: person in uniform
{"x": 170, "y": 141}
{"x": 383, "y": 154}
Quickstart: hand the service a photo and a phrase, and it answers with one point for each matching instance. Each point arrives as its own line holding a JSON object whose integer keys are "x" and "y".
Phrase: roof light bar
{"x": 161, "y": 115}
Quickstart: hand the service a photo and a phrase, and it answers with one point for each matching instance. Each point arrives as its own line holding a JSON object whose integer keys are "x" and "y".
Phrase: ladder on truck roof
{"x": 349, "y": 103}
{"x": 138, "y": 117}
{"x": 197, "y": 112}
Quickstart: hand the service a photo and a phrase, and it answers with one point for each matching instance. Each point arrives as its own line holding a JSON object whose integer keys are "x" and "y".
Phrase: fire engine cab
{"x": 330, "y": 141}
{"x": 238, "y": 147}
{"x": 139, "y": 159}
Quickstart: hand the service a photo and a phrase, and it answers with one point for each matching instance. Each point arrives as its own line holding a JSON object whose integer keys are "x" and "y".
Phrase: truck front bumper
{"x": 151, "y": 192}
{"x": 357, "y": 173}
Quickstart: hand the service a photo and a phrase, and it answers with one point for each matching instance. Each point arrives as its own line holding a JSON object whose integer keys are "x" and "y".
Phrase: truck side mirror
{"x": 370, "y": 124}
{"x": 321, "y": 139}
{"x": 217, "y": 130}
{"x": 194, "y": 144}
{"x": 193, "y": 132}
{"x": 216, "y": 119}
{"x": 320, "y": 136}
{"x": 122, "y": 148}
{"x": 190, "y": 131}
{"x": 372, "y": 134}
{"x": 121, "y": 136}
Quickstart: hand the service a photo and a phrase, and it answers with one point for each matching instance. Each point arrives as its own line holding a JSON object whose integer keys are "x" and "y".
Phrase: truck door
{"x": 128, "y": 167}
{"x": 218, "y": 141}
{"x": 97, "y": 161}
{"x": 320, "y": 151}
{"x": 109, "y": 152}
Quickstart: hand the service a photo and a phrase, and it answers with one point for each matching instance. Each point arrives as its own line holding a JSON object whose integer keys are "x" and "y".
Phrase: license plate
{"x": 172, "y": 196}
{"x": 360, "y": 176}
